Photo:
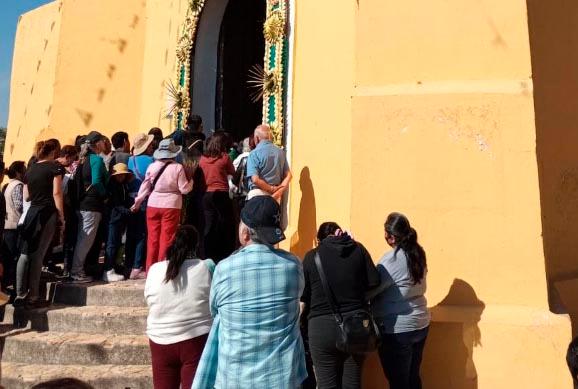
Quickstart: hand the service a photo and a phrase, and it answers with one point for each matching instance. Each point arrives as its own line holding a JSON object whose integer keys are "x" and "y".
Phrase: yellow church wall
{"x": 444, "y": 131}
{"x": 163, "y": 20}
{"x": 32, "y": 82}
{"x": 99, "y": 70}
{"x": 321, "y": 121}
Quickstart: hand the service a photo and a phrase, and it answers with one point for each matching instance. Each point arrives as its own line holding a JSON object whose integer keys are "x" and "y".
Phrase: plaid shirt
{"x": 255, "y": 340}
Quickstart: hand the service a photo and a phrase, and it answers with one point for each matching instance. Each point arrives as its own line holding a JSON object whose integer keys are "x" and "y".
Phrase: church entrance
{"x": 229, "y": 45}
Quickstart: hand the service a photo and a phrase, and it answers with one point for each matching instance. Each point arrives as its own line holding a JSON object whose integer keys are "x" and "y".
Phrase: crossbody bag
{"x": 358, "y": 332}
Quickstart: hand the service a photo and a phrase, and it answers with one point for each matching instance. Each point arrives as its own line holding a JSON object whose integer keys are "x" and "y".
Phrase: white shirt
{"x": 179, "y": 310}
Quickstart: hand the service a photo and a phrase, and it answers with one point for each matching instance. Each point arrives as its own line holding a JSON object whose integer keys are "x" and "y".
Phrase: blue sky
{"x": 10, "y": 10}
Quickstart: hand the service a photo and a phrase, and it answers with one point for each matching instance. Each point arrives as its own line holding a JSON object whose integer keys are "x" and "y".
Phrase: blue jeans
{"x": 136, "y": 240}
{"x": 116, "y": 228}
{"x": 401, "y": 356}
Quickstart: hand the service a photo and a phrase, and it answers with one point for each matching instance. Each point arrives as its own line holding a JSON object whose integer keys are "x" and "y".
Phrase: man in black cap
{"x": 255, "y": 302}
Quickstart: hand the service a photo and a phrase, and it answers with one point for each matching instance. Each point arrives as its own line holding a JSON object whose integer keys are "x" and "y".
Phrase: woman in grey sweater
{"x": 401, "y": 309}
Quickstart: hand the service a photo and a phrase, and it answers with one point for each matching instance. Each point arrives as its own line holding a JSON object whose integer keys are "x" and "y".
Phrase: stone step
{"x": 23, "y": 376}
{"x": 71, "y": 348}
{"x": 90, "y": 319}
{"x": 122, "y": 294}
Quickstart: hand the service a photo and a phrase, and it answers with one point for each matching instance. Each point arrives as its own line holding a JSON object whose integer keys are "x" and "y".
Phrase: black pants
{"x": 334, "y": 369}
{"x": 219, "y": 225}
{"x": 10, "y": 255}
{"x": 401, "y": 356}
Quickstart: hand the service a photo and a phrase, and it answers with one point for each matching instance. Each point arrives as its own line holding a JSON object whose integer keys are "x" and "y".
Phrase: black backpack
{"x": 76, "y": 188}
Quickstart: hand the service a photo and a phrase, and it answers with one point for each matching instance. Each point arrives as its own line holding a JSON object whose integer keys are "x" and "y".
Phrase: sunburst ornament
{"x": 178, "y": 99}
{"x": 274, "y": 27}
{"x": 262, "y": 83}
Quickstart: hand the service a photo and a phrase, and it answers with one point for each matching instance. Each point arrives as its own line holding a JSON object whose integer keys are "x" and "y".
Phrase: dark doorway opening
{"x": 241, "y": 46}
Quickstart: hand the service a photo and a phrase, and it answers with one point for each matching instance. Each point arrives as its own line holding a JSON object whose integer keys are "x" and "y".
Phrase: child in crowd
{"x": 119, "y": 203}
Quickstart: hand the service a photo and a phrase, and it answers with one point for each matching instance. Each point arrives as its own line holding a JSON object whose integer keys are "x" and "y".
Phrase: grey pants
{"x": 88, "y": 222}
{"x": 29, "y": 268}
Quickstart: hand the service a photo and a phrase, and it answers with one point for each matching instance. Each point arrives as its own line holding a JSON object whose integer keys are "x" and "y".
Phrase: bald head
{"x": 262, "y": 132}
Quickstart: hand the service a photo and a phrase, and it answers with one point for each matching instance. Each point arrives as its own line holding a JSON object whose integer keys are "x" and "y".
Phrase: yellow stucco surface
{"x": 33, "y": 78}
{"x": 454, "y": 113}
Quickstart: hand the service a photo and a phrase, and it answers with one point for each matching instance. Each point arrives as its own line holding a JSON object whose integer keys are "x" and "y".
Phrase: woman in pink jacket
{"x": 165, "y": 183}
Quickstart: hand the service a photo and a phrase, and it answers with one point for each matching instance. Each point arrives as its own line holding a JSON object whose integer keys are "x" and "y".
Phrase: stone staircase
{"x": 92, "y": 332}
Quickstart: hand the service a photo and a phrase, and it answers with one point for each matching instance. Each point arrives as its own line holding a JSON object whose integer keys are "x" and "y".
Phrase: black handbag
{"x": 358, "y": 332}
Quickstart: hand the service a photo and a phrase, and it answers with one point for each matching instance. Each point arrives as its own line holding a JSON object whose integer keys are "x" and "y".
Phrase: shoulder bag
{"x": 358, "y": 332}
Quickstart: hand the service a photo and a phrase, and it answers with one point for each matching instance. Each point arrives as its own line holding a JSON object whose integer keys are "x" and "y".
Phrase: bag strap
{"x": 159, "y": 174}
{"x": 327, "y": 290}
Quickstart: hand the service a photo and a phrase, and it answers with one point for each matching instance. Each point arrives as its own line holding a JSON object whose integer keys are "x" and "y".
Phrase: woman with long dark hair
{"x": 220, "y": 225}
{"x": 401, "y": 309}
{"x": 13, "y": 195}
{"x": 351, "y": 275}
{"x": 44, "y": 190}
{"x": 179, "y": 320}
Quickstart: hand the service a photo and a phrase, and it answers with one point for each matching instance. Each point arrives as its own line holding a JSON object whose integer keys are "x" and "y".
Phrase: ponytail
{"x": 184, "y": 247}
{"x": 397, "y": 225}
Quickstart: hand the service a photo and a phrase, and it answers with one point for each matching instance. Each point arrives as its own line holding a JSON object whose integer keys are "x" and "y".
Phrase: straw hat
{"x": 167, "y": 149}
{"x": 120, "y": 168}
{"x": 141, "y": 143}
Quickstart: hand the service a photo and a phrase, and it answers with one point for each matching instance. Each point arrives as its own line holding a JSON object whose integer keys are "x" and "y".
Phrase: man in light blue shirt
{"x": 255, "y": 340}
{"x": 267, "y": 167}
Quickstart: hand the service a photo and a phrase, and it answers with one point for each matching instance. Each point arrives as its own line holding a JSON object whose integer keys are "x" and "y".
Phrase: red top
{"x": 216, "y": 170}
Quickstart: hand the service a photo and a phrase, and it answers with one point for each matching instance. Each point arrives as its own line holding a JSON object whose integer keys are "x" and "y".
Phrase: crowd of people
{"x": 200, "y": 219}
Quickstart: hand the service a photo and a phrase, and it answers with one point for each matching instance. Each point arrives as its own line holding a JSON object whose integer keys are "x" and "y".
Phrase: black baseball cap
{"x": 93, "y": 137}
{"x": 263, "y": 214}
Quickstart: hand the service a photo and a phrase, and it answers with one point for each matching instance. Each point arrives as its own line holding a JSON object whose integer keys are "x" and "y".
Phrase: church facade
{"x": 459, "y": 114}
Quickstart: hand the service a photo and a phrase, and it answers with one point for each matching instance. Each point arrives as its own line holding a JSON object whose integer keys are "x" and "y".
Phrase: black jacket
{"x": 350, "y": 273}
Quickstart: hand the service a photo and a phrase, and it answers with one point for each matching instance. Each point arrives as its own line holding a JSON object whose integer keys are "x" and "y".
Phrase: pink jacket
{"x": 170, "y": 187}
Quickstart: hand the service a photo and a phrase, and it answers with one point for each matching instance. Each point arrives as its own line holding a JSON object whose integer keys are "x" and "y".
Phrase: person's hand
{"x": 278, "y": 193}
{"x": 61, "y": 220}
{"x": 134, "y": 209}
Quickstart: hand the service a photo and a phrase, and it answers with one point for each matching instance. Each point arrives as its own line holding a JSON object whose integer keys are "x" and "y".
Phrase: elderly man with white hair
{"x": 267, "y": 167}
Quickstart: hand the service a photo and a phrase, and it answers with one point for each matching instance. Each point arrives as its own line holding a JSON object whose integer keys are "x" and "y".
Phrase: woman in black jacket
{"x": 351, "y": 274}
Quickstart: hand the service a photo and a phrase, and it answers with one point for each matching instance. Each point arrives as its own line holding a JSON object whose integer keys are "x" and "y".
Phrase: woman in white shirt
{"x": 179, "y": 320}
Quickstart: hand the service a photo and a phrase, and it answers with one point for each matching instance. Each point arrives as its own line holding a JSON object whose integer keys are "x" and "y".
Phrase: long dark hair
{"x": 216, "y": 144}
{"x": 326, "y": 229}
{"x": 17, "y": 167}
{"x": 183, "y": 247}
{"x": 397, "y": 225}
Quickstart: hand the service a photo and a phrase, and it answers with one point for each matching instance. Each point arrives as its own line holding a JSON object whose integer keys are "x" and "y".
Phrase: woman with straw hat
{"x": 165, "y": 183}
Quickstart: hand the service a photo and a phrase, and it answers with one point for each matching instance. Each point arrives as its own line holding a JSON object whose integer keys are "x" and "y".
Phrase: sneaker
{"x": 80, "y": 278}
{"x": 111, "y": 276}
{"x": 137, "y": 274}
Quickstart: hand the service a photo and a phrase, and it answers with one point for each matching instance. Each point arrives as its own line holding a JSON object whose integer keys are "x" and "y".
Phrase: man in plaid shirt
{"x": 255, "y": 340}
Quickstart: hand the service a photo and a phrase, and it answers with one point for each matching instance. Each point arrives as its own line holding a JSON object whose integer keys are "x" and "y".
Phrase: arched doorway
{"x": 229, "y": 43}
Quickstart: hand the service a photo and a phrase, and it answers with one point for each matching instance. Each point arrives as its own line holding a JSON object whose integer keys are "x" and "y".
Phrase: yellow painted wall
{"x": 99, "y": 71}
{"x": 323, "y": 82}
{"x": 33, "y": 77}
{"x": 163, "y": 19}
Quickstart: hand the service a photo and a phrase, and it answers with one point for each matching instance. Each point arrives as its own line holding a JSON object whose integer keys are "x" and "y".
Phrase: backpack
{"x": 76, "y": 188}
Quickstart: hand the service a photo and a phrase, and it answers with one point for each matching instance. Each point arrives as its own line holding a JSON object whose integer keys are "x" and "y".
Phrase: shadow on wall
{"x": 448, "y": 356}
{"x": 304, "y": 239}
{"x": 553, "y": 27}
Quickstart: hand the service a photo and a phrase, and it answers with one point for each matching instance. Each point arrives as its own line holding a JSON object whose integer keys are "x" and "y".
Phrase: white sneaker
{"x": 111, "y": 276}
